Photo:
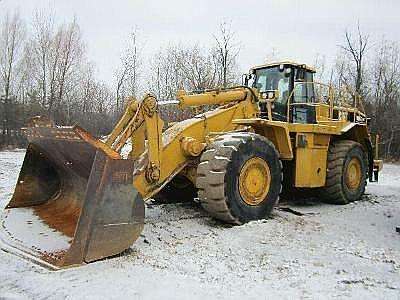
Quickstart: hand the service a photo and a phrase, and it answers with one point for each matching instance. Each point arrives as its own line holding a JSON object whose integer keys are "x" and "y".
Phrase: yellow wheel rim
{"x": 254, "y": 181}
{"x": 353, "y": 174}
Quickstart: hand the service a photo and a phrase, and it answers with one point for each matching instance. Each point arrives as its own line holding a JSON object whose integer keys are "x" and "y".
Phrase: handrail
{"x": 338, "y": 99}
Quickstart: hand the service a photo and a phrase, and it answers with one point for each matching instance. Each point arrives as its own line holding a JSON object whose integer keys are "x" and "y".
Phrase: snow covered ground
{"x": 330, "y": 251}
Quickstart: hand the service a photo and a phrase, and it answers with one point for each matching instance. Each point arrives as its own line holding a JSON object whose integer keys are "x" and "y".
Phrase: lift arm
{"x": 164, "y": 155}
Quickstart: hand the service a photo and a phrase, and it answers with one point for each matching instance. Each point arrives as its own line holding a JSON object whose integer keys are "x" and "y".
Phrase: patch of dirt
{"x": 61, "y": 215}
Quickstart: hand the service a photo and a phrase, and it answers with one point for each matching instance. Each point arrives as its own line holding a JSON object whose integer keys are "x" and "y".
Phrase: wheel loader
{"x": 79, "y": 199}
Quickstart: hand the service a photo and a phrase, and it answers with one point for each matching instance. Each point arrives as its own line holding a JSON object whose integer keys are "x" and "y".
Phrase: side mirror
{"x": 245, "y": 79}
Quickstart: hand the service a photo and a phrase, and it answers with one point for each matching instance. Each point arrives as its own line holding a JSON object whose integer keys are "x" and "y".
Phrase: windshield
{"x": 272, "y": 79}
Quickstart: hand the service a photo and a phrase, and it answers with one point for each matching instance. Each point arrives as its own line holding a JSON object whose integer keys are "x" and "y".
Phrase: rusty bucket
{"x": 73, "y": 203}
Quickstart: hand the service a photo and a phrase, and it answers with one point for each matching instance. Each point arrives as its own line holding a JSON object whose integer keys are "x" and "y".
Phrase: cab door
{"x": 280, "y": 105}
{"x": 303, "y": 106}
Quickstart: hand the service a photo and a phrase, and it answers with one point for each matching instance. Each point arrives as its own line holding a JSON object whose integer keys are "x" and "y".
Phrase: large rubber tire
{"x": 218, "y": 177}
{"x": 336, "y": 190}
{"x": 180, "y": 189}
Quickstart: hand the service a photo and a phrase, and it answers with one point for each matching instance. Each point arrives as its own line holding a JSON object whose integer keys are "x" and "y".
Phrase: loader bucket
{"x": 73, "y": 203}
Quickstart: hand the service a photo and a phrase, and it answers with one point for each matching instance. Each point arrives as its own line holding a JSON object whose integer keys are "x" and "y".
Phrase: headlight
{"x": 268, "y": 95}
{"x": 264, "y": 95}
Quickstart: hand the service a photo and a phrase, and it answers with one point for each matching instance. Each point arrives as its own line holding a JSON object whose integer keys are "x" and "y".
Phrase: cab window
{"x": 304, "y": 89}
{"x": 273, "y": 79}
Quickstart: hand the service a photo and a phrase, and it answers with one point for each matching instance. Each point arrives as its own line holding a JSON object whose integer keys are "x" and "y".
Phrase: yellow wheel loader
{"x": 78, "y": 199}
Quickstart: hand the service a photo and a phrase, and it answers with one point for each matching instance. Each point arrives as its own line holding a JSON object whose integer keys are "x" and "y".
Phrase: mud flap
{"x": 72, "y": 203}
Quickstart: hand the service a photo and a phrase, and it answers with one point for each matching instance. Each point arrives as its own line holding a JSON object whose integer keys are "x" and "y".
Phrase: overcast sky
{"x": 298, "y": 29}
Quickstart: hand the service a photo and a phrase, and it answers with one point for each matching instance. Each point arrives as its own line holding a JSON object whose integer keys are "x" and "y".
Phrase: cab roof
{"x": 291, "y": 63}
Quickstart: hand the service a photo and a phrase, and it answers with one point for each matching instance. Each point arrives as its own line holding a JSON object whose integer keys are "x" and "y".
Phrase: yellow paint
{"x": 210, "y": 98}
{"x": 161, "y": 156}
{"x": 277, "y": 132}
{"x": 154, "y": 126}
{"x": 378, "y": 164}
{"x": 138, "y": 142}
{"x": 254, "y": 181}
{"x": 192, "y": 147}
{"x": 353, "y": 174}
{"x": 173, "y": 157}
{"x": 277, "y": 64}
{"x": 322, "y": 112}
{"x": 311, "y": 159}
{"x": 377, "y": 146}
{"x": 127, "y": 117}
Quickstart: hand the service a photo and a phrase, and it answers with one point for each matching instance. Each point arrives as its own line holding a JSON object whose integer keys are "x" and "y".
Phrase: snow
{"x": 330, "y": 251}
{"x": 25, "y": 227}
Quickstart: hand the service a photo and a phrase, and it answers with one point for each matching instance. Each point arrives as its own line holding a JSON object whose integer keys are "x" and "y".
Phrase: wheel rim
{"x": 254, "y": 181}
{"x": 353, "y": 174}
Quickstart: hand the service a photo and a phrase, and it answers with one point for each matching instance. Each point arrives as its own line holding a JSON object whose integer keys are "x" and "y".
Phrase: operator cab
{"x": 289, "y": 83}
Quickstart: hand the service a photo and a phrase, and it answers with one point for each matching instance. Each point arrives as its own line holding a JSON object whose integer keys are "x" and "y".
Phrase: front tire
{"x": 239, "y": 178}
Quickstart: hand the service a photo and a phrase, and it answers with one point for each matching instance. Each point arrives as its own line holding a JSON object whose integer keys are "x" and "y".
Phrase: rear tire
{"x": 239, "y": 178}
{"x": 346, "y": 175}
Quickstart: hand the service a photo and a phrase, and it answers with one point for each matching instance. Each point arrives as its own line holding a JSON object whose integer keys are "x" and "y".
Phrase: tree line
{"x": 371, "y": 69}
{"x": 45, "y": 70}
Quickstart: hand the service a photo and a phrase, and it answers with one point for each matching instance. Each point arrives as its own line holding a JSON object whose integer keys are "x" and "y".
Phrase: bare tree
{"x": 41, "y": 45}
{"x": 179, "y": 67}
{"x": 198, "y": 69}
{"x": 57, "y": 54}
{"x": 128, "y": 75}
{"x": 385, "y": 95}
{"x": 166, "y": 75}
{"x": 182, "y": 67}
{"x": 49, "y": 74}
{"x": 11, "y": 45}
{"x": 356, "y": 48}
{"x": 53, "y": 61}
{"x": 320, "y": 67}
{"x": 339, "y": 72}
{"x": 72, "y": 52}
{"x": 226, "y": 52}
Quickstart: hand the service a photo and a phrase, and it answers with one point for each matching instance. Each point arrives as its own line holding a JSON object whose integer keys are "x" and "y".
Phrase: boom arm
{"x": 168, "y": 153}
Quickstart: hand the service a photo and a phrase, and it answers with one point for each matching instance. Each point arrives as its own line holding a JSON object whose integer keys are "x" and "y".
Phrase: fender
{"x": 277, "y": 132}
